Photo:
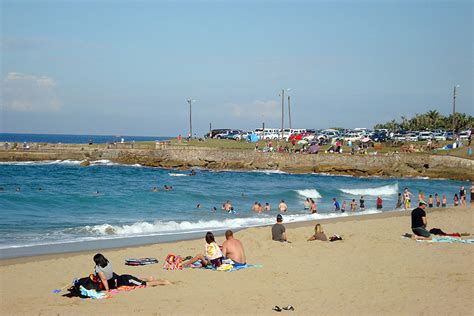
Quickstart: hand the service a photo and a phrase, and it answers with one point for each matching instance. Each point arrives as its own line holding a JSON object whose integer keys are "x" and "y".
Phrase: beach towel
{"x": 93, "y": 294}
{"x": 226, "y": 267}
{"x": 448, "y": 239}
{"x": 173, "y": 262}
{"x": 126, "y": 288}
{"x": 140, "y": 261}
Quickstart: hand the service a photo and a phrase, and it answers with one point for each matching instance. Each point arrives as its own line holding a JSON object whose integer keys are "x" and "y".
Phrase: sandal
{"x": 276, "y": 309}
{"x": 289, "y": 308}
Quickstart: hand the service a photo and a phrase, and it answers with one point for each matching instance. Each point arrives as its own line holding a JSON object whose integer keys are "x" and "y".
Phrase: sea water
{"x": 51, "y": 205}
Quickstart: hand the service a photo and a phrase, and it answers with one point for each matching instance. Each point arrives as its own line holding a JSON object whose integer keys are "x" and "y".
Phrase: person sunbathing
{"x": 212, "y": 254}
{"x": 233, "y": 249}
{"x": 110, "y": 280}
{"x": 318, "y": 234}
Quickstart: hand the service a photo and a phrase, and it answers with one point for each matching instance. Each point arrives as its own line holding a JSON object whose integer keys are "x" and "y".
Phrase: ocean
{"x": 74, "y": 139}
{"x": 57, "y": 206}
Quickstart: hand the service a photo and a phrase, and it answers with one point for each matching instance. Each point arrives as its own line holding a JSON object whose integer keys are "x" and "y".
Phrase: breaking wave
{"x": 383, "y": 190}
{"x": 309, "y": 193}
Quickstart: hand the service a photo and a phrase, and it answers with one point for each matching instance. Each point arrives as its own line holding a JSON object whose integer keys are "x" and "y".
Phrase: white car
{"x": 242, "y": 136}
{"x": 411, "y": 137}
{"x": 352, "y": 137}
{"x": 425, "y": 136}
{"x": 399, "y": 137}
{"x": 439, "y": 136}
{"x": 464, "y": 135}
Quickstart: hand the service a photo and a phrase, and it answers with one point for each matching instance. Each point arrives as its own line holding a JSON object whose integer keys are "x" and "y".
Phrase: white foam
{"x": 309, "y": 193}
{"x": 269, "y": 171}
{"x": 178, "y": 174}
{"x": 383, "y": 190}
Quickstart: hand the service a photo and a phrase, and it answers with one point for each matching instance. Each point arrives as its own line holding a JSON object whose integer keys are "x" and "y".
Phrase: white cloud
{"x": 268, "y": 109}
{"x": 29, "y": 93}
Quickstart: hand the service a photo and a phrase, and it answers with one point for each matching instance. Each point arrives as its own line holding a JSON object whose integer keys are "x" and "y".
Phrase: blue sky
{"x": 123, "y": 67}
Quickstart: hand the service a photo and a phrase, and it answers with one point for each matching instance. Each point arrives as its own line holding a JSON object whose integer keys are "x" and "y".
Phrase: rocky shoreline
{"x": 181, "y": 157}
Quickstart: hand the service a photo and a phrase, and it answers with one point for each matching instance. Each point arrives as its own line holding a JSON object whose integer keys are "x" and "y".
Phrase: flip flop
{"x": 289, "y": 308}
{"x": 407, "y": 235}
{"x": 276, "y": 309}
{"x": 187, "y": 258}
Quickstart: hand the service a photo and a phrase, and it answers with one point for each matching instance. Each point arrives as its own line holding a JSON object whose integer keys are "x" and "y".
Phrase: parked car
{"x": 378, "y": 137}
{"x": 399, "y": 137}
{"x": 411, "y": 137}
{"x": 439, "y": 136}
{"x": 425, "y": 136}
{"x": 464, "y": 135}
{"x": 242, "y": 135}
{"x": 449, "y": 135}
{"x": 227, "y": 134}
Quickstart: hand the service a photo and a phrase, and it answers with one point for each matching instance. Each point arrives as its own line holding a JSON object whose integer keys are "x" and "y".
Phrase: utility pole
{"x": 210, "y": 129}
{"x": 190, "y": 120}
{"x": 282, "y": 110}
{"x": 454, "y": 110}
{"x": 289, "y": 111}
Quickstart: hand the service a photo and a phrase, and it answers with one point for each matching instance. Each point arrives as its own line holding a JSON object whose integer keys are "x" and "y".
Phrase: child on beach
{"x": 438, "y": 201}
{"x": 343, "y": 207}
{"x": 318, "y": 234}
{"x": 307, "y": 204}
{"x": 379, "y": 203}
{"x": 406, "y": 198}
{"x": 444, "y": 201}
{"x": 353, "y": 205}
{"x": 212, "y": 253}
{"x": 336, "y": 205}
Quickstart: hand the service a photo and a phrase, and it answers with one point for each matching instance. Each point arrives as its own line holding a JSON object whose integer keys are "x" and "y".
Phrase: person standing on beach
{"x": 444, "y": 201}
{"x": 362, "y": 203}
{"x": 343, "y": 207}
{"x": 278, "y": 230}
{"x": 419, "y": 222}
{"x": 314, "y": 209}
{"x": 430, "y": 201}
{"x": 233, "y": 249}
{"x": 421, "y": 196}
{"x": 282, "y": 206}
{"x": 399, "y": 201}
{"x": 456, "y": 200}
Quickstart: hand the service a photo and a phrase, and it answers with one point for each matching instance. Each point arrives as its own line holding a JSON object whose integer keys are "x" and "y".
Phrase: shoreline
{"x": 373, "y": 268}
{"x": 189, "y": 236}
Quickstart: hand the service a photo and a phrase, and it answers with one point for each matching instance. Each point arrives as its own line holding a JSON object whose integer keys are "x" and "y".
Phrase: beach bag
{"x": 92, "y": 282}
{"x": 173, "y": 262}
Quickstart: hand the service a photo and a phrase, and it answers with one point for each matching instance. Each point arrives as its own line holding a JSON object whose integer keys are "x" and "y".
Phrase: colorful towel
{"x": 449, "y": 239}
{"x": 173, "y": 262}
{"x": 226, "y": 267}
{"x": 93, "y": 294}
{"x": 126, "y": 288}
{"x": 140, "y": 261}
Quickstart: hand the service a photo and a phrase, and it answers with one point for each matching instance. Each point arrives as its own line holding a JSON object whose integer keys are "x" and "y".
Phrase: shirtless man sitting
{"x": 233, "y": 249}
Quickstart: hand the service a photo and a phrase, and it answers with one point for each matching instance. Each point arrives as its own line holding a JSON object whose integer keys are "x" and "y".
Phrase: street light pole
{"x": 190, "y": 101}
{"x": 454, "y": 110}
{"x": 282, "y": 110}
{"x": 289, "y": 111}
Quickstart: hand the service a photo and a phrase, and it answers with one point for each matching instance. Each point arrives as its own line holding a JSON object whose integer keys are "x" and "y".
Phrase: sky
{"x": 128, "y": 67}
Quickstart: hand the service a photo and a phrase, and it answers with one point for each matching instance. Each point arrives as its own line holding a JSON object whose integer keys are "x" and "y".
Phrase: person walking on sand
{"x": 314, "y": 209}
{"x": 233, "y": 249}
{"x": 419, "y": 222}
{"x": 283, "y": 207}
{"x": 278, "y": 230}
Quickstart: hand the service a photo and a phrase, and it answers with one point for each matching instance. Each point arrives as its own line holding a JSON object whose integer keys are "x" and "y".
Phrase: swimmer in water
{"x": 198, "y": 206}
{"x": 40, "y": 189}
{"x": 18, "y": 189}
{"x": 214, "y": 209}
{"x": 155, "y": 189}
{"x": 193, "y": 173}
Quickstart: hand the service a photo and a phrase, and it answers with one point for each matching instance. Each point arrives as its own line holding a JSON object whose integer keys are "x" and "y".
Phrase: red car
{"x": 295, "y": 137}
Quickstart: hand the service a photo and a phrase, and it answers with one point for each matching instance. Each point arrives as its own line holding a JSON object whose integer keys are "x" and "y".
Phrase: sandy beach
{"x": 372, "y": 271}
